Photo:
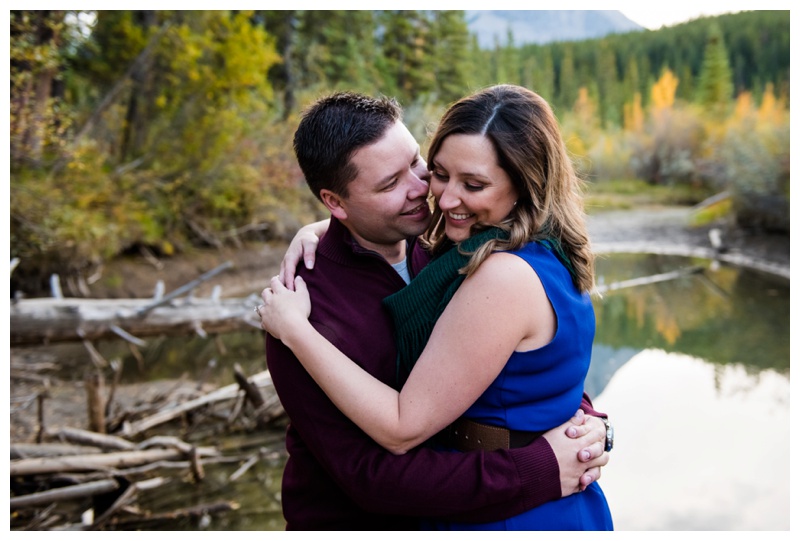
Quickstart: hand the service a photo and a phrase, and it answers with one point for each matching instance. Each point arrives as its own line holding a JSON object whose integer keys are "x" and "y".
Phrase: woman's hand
{"x": 302, "y": 247}
{"x": 578, "y": 446}
{"x": 283, "y": 308}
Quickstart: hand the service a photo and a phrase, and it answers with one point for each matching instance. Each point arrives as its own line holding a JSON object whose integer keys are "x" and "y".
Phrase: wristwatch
{"x": 609, "y": 434}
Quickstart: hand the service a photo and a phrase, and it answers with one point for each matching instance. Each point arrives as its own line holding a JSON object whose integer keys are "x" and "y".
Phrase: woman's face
{"x": 469, "y": 186}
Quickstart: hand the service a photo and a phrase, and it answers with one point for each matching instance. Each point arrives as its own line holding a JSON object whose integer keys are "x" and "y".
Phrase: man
{"x": 364, "y": 165}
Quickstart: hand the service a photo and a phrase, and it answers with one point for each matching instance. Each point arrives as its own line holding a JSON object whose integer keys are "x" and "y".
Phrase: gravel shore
{"x": 668, "y": 230}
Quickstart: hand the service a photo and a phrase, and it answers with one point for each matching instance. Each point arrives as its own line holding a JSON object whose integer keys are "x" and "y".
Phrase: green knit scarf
{"x": 416, "y": 308}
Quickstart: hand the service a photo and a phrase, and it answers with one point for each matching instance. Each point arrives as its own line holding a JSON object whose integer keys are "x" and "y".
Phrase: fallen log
{"x": 261, "y": 379}
{"x": 95, "y": 439}
{"x": 66, "y": 493}
{"x": 184, "y": 289}
{"x": 645, "y": 280}
{"x": 42, "y": 320}
{"x": 42, "y": 450}
{"x": 124, "y": 498}
{"x": 35, "y": 466}
{"x": 152, "y": 520}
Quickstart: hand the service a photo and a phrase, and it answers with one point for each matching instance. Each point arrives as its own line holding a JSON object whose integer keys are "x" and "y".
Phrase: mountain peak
{"x": 545, "y": 26}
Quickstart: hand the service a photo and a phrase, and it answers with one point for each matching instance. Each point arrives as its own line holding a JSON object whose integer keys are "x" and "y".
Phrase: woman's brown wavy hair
{"x": 527, "y": 139}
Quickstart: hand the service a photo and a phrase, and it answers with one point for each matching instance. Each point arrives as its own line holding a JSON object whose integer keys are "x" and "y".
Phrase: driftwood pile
{"x": 88, "y": 478}
{"x": 77, "y": 479}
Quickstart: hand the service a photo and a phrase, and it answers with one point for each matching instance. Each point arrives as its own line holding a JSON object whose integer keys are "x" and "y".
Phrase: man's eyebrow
{"x": 390, "y": 176}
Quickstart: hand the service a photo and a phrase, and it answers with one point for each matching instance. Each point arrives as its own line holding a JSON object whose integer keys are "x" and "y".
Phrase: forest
{"x": 166, "y": 130}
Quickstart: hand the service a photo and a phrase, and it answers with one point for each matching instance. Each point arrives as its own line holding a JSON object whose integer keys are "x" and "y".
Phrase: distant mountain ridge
{"x": 545, "y": 26}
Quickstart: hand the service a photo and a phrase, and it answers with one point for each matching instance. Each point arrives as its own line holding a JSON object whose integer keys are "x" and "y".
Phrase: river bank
{"x": 646, "y": 228}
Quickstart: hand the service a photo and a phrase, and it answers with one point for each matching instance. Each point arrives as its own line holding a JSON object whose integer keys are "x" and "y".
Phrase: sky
{"x": 638, "y": 11}
{"x": 656, "y": 18}
{"x": 653, "y": 18}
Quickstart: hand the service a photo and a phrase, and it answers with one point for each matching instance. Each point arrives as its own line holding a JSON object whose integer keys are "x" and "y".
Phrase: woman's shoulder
{"x": 506, "y": 265}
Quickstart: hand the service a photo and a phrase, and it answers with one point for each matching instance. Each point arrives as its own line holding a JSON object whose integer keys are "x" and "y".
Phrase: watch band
{"x": 609, "y": 434}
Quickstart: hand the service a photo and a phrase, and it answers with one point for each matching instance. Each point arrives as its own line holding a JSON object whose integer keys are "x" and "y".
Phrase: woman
{"x": 499, "y": 326}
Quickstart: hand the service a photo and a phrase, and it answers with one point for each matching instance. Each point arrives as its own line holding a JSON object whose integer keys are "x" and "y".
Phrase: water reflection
{"x": 724, "y": 315}
{"x": 695, "y": 375}
{"x": 699, "y": 446}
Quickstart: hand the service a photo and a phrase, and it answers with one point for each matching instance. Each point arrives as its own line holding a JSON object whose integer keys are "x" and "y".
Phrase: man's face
{"x": 387, "y": 201}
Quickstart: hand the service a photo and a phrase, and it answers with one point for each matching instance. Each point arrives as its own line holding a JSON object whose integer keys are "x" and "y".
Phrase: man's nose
{"x": 419, "y": 185}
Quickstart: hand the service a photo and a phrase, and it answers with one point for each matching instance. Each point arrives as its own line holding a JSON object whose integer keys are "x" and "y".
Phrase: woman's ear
{"x": 335, "y": 204}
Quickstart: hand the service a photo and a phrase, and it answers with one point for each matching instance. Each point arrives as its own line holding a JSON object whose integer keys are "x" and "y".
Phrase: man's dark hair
{"x": 332, "y": 130}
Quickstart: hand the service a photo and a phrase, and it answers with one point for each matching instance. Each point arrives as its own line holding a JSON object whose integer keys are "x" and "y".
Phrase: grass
{"x": 631, "y": 193}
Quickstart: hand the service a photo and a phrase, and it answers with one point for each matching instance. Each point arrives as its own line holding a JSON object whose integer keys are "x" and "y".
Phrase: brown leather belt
{"x": 466, "y": 435}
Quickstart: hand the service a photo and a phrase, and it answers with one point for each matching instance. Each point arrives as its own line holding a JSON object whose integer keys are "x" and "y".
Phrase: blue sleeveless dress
{"x": 540, "y": 389}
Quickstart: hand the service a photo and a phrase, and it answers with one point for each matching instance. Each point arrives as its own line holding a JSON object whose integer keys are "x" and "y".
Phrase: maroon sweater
{"x": 336, "y": 476}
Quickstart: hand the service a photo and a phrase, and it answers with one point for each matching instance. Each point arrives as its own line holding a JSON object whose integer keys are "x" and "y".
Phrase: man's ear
{"x": 334, "y": 202}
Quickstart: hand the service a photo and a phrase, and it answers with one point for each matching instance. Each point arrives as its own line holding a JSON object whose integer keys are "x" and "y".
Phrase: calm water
{"x": 694, "y": 373}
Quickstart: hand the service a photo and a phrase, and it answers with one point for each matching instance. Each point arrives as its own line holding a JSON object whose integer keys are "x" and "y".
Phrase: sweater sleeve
{"x": 476, "y": 487}
{"x": 588, "y": 408}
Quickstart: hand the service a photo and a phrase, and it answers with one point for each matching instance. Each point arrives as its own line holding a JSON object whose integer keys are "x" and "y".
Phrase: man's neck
{"x": 392, "y": 253}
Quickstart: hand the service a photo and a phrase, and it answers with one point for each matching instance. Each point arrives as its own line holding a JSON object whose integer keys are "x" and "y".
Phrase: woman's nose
{"x": 448, "y": 199}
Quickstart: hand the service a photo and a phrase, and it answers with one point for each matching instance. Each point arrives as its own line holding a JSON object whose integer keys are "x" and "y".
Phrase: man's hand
{"x": 579, "y": 448}
{"x": 302, "y": 247}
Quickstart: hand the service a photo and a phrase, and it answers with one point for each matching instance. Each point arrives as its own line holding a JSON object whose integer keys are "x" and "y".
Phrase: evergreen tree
{"x": 409, "y": 71}
{"x": 480, "y": 62}
{"x": 631, "y": 84}
{"x": 610, "y": 104}
{"x": 567, "y": 79}
{"x": 337, "y": 49}
{"x": 537, "y": 72}
{"x": 450, "y": 54}
{"x": 686, "y": 89}
{"x": 715, "y": 85}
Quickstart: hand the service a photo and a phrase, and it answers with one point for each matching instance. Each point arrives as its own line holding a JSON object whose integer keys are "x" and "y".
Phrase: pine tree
{"x": 607, "y": 86}
{"x": 537, "y": 73}
{"x": 450, "y": 53}
{"x": 405, "y": 37}
{"x": 715, "y": 87}
{"x": 631, "y": 83}
{"x": 567, "y": 79}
